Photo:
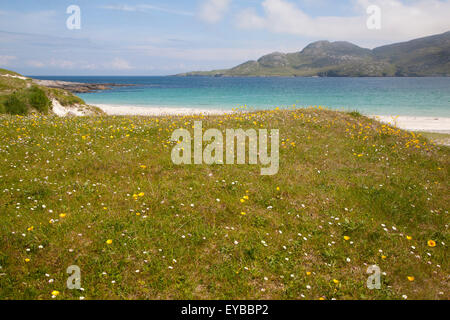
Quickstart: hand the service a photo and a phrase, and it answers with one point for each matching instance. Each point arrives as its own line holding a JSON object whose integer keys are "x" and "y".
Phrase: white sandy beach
{"x": 155, "y": 111}
{"x": 428, "y": 124}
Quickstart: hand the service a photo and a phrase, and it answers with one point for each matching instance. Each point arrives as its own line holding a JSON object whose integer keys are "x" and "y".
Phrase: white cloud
{"x": 212, "y": 11}
{"x": 35, "y": 64}
{"x": 55, "y": 63}
{"x": 62, "y": 64}
{"x": 248, "y": 19}
{"x": 399, "y": 21}
{"x": 114, "y": 64}
{"x": 5, "y": 60}
{"x": 234, "y": 55}
{"x": 38, "y": 21}
{"x": 119, "y": 64}
{"x": 121, "y": 7}
{"x": 145, "y": 8}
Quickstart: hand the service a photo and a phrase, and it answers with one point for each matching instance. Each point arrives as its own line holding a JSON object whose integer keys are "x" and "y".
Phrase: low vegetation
{"x": 21, "y": 96}
{"x": 438, "y": 138}
{"x": 64, "y": 97}
{"x": 8, "y": 72}
{"x": 102, "y": 193}
{"x": 20, "y": 102}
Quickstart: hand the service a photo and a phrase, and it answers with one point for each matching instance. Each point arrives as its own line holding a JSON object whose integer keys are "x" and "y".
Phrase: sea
{"x": 370, "y": 96}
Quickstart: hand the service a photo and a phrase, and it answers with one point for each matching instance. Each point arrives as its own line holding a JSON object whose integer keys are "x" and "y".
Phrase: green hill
{"x": 429, "y": 56}
{"x": 20, "y": 95}
{"x": 425, "y": 56}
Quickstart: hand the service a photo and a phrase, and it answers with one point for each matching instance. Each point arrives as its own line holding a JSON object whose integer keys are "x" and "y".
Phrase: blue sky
{"x": 159, "y": 37}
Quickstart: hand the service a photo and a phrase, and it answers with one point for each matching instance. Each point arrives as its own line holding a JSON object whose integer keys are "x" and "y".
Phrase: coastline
{"x": 419, "y": 123}
{"x": 78, "y": 87}
{"x": 113, "y": 110}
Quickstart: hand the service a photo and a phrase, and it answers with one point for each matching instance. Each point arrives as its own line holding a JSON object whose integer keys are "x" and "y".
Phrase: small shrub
{"x": 39, "y": 100}
{"x": 14, "y": 105}
{"x": 355, "y": 114}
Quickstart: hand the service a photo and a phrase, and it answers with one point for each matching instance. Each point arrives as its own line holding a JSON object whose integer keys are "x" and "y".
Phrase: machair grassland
{"x": 102, "y": 193}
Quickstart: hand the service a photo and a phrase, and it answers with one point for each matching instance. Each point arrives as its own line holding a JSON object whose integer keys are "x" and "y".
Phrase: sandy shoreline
{"x": 155, "y": 111}
{"x": 428, "y": 124}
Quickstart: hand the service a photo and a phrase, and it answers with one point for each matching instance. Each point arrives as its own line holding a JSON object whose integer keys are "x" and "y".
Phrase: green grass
{"x": 25, "y": 100}
{"x": 15, "y": 104}
{"x": 438, "y": 138}
{"x": 8, "y": 85}
{"x": 39, "y": 100}
{"x": 64, "y": 97}
{"x": 20, "y": 97}
{"x": 8, "y": 72}
{"x": 355, "y": 114}
{"x": 340, "y": 176}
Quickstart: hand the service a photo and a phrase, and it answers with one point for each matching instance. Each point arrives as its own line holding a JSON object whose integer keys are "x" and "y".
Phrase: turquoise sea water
{"x": 374, "y": 96}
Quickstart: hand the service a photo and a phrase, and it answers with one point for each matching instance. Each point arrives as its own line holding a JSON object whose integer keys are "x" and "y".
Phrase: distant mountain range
{"x": 429, "y": 56}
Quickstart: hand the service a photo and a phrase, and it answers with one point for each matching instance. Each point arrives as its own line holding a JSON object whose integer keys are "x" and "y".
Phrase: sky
{"x": 160, "y": 37}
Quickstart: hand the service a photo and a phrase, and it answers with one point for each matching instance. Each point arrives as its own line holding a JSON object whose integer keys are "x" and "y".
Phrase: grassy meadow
{"x": 102, "y": 193}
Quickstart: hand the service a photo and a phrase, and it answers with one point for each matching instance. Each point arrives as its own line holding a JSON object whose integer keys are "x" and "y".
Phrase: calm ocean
{"x": 380, "y": 96}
